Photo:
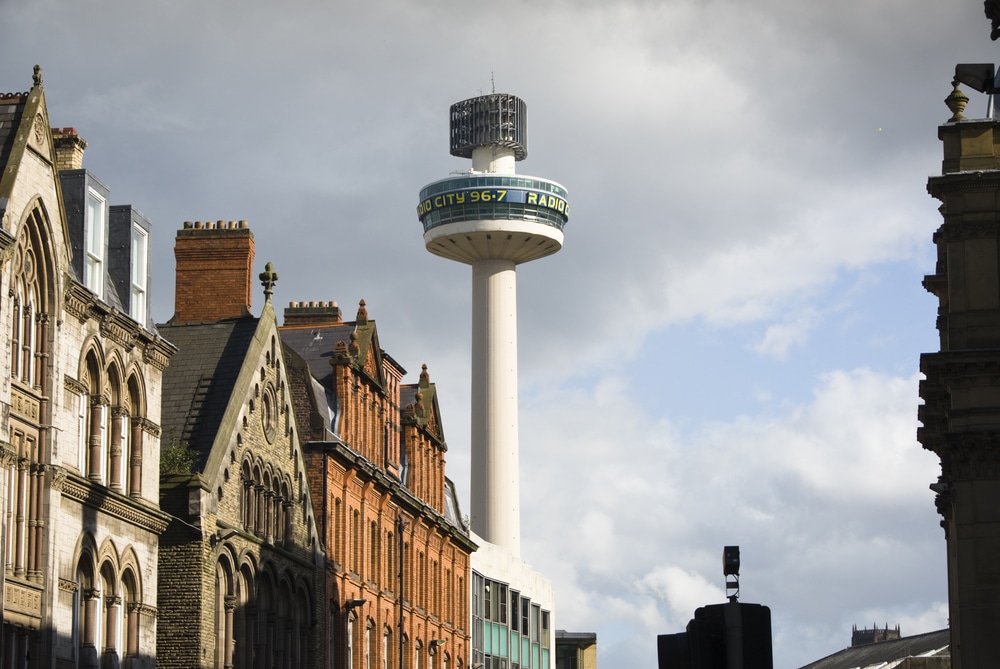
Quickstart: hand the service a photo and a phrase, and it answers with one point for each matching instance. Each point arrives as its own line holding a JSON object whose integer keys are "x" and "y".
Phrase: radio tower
{"x": 493, "y": 219}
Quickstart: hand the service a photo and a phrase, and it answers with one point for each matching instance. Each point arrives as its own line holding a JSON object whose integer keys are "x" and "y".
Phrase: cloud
{"x": 815, "y": 496}
{"x": 729, "y": 184}
{"x": 781, "y": 337}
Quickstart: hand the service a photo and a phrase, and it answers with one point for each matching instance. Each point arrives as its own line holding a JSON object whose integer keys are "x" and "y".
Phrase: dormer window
{"x": 94, "y": 236}
{"x": 140, "y": 270}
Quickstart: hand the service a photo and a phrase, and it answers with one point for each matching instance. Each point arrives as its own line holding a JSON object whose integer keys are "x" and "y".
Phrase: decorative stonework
{"x": 963, "y": 231}
{"x": 971, "y": 455}
{"x": 24, "y": 405}
{"x": 100, "y": 498}
{"x": 74, "y": 386}
{"x": 22, "y": 599}
{"x": 77, "y": 305}
{"x": 118, "y": 332}
{"x": 157, "y": 353}
{"x": 66, "y": 585}
{"x": 150, "y": 428}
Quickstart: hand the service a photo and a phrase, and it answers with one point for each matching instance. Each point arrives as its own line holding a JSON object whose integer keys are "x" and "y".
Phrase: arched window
{"x": 245, "y": 623}
{"x": 386, "y": 645}
{"x": 133, "y": 428}
{"x": 86, "y": 620}
{"x": 351, "y": 621}
{"x": 225, "y": 607}
{"x": 130, "y": 602}
{"x": 356, "y": 542}
{"x": 94, "y": 440}
{"x": 368, "y": 643}
{"x": 116, "y": 437}
{"x": 374, "y": 553}
{"x": 246, "y": 497}
{"x": 32, "y": 292}
{"x": 111, "y": 610}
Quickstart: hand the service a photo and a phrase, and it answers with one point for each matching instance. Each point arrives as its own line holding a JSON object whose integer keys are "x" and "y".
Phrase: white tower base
{"x": 495, "y": 487}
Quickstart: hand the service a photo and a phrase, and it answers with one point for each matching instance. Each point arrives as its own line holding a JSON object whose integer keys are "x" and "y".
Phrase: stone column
{"x": 135, "y": 458}
{"x": 96, "y": 414}
{"x": 110, "y": 659}
{"x": 132, "y": 642}
{"x": 118, "y": 415}
{"x": 20, "y": 516}
{"x": 88, "y": 643}
{"x": 230, "y": 640}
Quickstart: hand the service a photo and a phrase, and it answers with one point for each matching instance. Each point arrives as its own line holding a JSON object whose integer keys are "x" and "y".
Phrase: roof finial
{"x": 362, "y": 318}
{"x": 956, "y": 102}
{"x": 268, "y": 278}
{"x": 37, "y": 76}
{"x": 425, "y": 378}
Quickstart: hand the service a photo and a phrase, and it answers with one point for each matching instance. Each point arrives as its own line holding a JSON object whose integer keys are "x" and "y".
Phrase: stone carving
{"x": 992, "y": 8}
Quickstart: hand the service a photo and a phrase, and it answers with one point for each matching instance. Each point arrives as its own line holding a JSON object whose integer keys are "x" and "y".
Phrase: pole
{"x": 400, "y": 527}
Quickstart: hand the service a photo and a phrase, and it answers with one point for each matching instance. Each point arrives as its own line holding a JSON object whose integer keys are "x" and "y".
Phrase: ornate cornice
{"x": 150, "y": 428}
{"x": 123, "y": 333}
{"x": 117, "y": 327}
{"x": 157, "y": 353}
{"x": 74, "y": 386}
{"x": 8, "y": 455}
{"x": 970, "y": 455}
{"x": 147, "y": 610}
{"x": 961, "y": 231}
{"x": 103, "y": 499}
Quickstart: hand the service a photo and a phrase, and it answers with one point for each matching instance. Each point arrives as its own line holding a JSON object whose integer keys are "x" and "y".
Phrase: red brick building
{"x": 397, "y": 575}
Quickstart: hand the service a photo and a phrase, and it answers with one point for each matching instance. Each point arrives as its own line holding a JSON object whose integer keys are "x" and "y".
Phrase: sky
{"x": 726, "y": 349}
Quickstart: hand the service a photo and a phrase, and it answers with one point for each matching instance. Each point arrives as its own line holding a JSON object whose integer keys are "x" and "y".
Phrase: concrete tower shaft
{"x": 492, "y": 219}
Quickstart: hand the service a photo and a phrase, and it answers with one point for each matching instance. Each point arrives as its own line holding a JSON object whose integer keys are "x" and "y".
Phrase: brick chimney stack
{"x": 312, "y": 313}
{"x": 214, "y": 272}
{"x": 69, "y": 148}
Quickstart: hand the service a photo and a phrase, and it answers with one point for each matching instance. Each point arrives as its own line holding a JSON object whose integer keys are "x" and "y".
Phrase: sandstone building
{"x": 961, "y": 391}
{"x": 240, "y": 563}
{"x": 80, "y": 379}
{"x": 397, "y": 575}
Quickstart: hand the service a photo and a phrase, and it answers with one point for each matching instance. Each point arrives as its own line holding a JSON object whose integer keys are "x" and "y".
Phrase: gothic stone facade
{"x": 81, "y": 373}
{"x": 241, "y": 563}
{"x": 961, "y": 391}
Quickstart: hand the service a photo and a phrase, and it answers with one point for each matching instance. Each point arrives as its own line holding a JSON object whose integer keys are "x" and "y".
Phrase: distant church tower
{"x": 961, "y": 392}
{"x": 493, "y": 219}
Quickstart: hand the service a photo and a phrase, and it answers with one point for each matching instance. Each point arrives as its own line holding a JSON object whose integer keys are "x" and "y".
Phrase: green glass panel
{"x": 545, "y": 657}
{"x": 488, "y": 638}
{"x": 534, "y": 655}
{"x": 496, "y": 640}
{"x": 525, "y": 650}
{"x": 515, "y": 647}
{"x": 503, "y": 642}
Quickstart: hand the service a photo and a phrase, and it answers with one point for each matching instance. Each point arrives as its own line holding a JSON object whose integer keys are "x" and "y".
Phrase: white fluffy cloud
{"x": 817, "y": 497}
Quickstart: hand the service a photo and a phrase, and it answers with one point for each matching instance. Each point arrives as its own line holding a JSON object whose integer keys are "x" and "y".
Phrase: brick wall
{"x": 214, "y": 272}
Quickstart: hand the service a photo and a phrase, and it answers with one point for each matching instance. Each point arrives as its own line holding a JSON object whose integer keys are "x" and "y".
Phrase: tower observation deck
{"x": 493, "y": 219}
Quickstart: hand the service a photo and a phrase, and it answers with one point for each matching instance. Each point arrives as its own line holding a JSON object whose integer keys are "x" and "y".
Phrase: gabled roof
{"x": 882, "y": 653}
{"x": 424, "y": 410}
{"x": 199, "y": 384}
{"x": 24, "y": 126}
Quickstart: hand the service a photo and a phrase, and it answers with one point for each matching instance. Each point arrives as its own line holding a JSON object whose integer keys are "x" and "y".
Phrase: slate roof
{"x": 11, "y": 110}
{"x": 886, "y": 651}
{"x": 199, "y": 382}
{"x": 316, "y": 344}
